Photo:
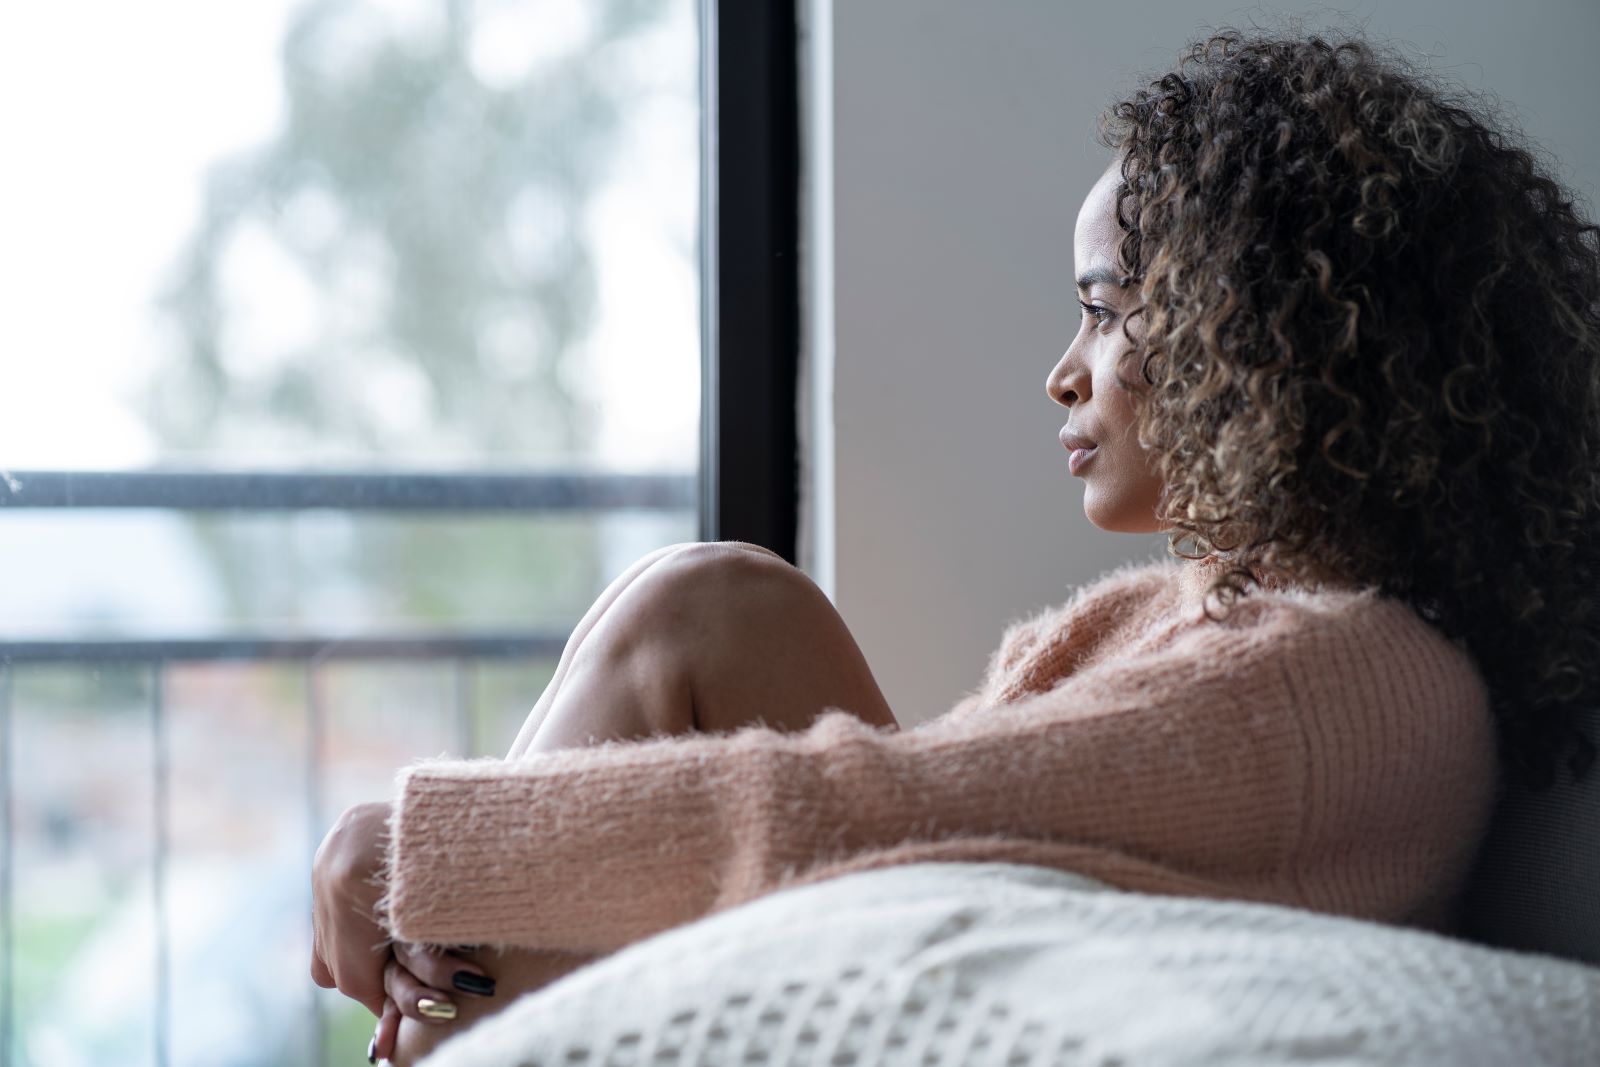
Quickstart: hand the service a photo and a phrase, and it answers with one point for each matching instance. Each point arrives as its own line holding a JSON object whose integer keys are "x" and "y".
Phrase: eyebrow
{"x": 1100, "y": 274}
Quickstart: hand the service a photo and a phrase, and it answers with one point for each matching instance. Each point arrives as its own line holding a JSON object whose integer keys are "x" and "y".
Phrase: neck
{"x": 1200, "y": 574}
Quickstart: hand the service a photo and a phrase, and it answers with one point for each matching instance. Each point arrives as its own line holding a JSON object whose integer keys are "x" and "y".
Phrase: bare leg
{"x": 707, "y": 637}
{"x": 536, "y": 717}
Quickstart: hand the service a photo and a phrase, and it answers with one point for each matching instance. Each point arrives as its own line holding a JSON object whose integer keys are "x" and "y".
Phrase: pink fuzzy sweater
{"x": 1326, "y": 750}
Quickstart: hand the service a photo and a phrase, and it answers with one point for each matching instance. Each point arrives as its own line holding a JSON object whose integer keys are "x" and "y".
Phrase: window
{"x": 358, "y": 345}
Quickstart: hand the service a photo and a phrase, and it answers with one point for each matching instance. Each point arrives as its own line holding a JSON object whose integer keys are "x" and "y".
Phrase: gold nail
{"x": 436, "y": 1009}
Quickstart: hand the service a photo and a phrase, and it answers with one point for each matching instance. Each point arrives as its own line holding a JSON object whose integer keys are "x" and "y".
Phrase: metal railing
{"x": 209, "y": 491}
{"x": 400, "y": 491}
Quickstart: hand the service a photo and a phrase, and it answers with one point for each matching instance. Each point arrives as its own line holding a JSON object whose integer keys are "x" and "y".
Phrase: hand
{"x": 415, "y": 973}
{"x": 348, "y": 947}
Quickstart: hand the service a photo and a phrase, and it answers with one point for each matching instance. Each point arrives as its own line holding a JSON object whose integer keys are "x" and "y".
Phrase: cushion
{"x": 1004, "y": 963}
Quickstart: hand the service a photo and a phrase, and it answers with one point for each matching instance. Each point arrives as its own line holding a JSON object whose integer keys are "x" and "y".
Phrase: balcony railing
{"x": 419, "y": 492}
{"x": 271, "y": 491}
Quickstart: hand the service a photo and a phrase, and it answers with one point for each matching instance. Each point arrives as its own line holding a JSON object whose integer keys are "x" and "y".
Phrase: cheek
{"x": 1123, "y": 482}
{"x": 1118, "y": 415}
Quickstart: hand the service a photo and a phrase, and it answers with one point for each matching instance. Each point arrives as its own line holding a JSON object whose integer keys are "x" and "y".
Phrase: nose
{"x": 1068, "y": 383}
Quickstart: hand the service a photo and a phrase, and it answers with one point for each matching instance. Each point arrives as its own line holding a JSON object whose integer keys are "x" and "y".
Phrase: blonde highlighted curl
{"x": 1370, "y": 353}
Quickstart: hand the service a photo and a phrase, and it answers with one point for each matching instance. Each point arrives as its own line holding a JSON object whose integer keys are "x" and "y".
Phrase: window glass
{"x": 370, "y": 233}
{"x": 336, "y": 239}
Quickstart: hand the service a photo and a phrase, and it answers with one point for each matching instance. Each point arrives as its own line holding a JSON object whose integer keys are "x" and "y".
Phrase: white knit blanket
{"x": 1007, "y": 964}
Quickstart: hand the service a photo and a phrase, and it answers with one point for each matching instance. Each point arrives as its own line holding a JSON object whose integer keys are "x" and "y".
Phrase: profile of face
{"x": 1122, "y": 488}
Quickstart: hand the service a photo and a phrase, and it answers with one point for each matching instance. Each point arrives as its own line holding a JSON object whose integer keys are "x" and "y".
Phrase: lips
{"x": 1072, "y": 442}
{"x": 1082, "y": 449}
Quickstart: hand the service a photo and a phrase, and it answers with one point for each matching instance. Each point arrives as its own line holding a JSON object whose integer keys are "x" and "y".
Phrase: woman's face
{"x": 1121, "y": 486}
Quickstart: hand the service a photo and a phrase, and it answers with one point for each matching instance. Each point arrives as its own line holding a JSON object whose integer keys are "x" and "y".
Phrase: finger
{"x": 388, "y": 1031}
{"x": 352, "y": 944}
{"x": 443, "y": 970}
{"x": 358, "y": 969}
{"x": 416, "y": 1001}
{"x": 319, "y": 971}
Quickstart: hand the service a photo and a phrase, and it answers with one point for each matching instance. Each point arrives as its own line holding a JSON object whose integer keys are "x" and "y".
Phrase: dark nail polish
{"x": 468, "y": 982}
{"x": 372, "y": 1049}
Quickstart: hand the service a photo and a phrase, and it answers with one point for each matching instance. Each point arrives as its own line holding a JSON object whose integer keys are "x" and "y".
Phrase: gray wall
{"x": 962, "y": 141}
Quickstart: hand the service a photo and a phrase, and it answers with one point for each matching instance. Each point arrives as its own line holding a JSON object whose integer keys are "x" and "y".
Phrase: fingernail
{"x": 468, "y": 982}
{"x": 436, "y": 1009}
{"x": 372, "y": 1049}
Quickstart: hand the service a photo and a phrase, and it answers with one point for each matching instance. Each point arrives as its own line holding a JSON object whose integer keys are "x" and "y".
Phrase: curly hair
{"x": 1371, "y": 355}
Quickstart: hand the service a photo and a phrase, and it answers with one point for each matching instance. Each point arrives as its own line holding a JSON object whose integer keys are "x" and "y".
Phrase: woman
{"x": 1339, "y": 339}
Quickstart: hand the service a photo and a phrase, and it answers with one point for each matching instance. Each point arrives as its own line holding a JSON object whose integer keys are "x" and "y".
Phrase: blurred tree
{"x": 434, "y": 223}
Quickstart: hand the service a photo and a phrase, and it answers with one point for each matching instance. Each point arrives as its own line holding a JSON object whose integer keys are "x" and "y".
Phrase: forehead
{"x": 1096, "y": 235}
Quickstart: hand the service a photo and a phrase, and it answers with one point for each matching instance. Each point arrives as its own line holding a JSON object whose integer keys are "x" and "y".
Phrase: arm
{"x": 1191, "y": 758}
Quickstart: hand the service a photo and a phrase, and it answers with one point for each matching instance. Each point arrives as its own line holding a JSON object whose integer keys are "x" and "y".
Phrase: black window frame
{"x": 750, "y": 273}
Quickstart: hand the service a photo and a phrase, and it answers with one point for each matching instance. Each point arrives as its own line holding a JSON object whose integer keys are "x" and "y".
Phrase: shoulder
{"x": 1359, "y": 614}
{"x": 1355, "y": 643}
{"x": 1396, "y": 719}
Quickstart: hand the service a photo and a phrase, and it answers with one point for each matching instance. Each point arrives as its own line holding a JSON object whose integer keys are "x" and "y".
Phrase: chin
{"x": 1121, "y": 519}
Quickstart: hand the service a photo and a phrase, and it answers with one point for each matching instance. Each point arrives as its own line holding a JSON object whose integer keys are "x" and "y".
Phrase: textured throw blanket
{"x": 1009, "y": 964}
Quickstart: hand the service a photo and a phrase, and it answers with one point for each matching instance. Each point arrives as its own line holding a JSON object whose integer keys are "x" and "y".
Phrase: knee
{"x": 709, "y": 552}
{"x": 721, "y": 573}
{"x": 702, "y": 590}
{"x": 718, "y": 570}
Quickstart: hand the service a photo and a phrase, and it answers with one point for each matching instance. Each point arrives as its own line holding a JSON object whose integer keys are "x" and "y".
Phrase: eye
{"x": 1099, "y": 314}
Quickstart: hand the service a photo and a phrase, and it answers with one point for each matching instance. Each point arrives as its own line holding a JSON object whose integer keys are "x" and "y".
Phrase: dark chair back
{"x": 1536, "y": 885}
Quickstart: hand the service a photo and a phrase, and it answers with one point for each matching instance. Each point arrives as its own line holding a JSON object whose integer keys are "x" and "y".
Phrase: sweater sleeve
{"x": 1190, "y": 757}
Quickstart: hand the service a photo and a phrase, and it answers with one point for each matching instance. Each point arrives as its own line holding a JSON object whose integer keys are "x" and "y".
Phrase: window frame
{"x": 750, "y": 273}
